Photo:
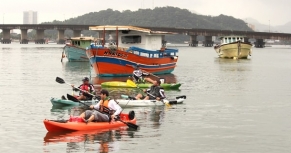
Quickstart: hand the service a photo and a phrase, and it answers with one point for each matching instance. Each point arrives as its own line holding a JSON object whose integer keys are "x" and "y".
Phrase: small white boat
{"x": 128, "y": 102}
{"x": 233, "y": 47}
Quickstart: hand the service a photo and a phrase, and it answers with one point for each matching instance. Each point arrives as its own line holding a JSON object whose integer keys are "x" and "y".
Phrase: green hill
{"x": 158, "y": 17}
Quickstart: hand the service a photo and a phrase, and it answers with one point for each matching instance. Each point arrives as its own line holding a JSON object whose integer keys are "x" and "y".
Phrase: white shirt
{"x": 112, "y": 105}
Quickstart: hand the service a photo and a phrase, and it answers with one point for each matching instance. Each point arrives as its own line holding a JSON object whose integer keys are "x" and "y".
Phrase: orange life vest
{"x": 104, "y": 107}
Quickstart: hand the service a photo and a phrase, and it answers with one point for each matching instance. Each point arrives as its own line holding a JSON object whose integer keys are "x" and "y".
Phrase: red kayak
{"x": 77, "y": 124}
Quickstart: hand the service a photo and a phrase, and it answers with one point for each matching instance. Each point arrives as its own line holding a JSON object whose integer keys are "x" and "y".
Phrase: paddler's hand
{"x": 92, "y": 106}
{"x": 158, "y": 98}
{"x": 73, "y": 86}
{"x": 112, "y": 118}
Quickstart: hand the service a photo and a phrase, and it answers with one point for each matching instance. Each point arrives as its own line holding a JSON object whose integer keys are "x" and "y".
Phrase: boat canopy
{"x": 231, "y": 39}
{"x": 82, "y": 38}
{"x": 127, "y": 28}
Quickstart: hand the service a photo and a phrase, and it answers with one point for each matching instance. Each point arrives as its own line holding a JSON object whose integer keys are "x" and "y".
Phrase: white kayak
{"x": 128, "y": 102}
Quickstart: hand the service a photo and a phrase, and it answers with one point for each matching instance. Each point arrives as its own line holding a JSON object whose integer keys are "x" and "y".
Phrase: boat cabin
{"x": 140, "y": 41}
{"x": 81, "y": 42}
{"x": 128, "y": 36}
{"x": 231, "y": 39}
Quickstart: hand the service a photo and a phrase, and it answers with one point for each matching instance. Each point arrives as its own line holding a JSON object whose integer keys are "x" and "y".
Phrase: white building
{"x": 29, "y": 17}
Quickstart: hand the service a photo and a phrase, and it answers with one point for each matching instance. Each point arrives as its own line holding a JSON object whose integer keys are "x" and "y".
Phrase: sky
{"x": 273, "y": 12}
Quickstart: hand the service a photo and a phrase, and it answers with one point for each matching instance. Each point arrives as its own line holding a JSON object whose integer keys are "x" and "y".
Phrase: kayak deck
{"x": 54, "y": 126}
{"x": 59, "y": 101}
{"x": 120, "y": 84}
{"x": 143, "y": 103}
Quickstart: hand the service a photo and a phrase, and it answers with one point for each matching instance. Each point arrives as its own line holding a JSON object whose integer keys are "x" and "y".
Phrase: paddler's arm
{"x": 114, "y": 106}
{"x": 96, "y": 106}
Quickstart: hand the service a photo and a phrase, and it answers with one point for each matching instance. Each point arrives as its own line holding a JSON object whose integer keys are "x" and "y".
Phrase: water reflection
{"x": 77, "y": 67}
{"x": 154, "y": 116}
{"x": 61, "y": 111}
{"x": 226, "y": 64}
{"x": 98, "y": 141}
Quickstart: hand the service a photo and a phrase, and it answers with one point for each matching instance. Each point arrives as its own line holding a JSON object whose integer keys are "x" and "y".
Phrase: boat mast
{"x": 117, "y": 37}
{"x": 103, "y": 41}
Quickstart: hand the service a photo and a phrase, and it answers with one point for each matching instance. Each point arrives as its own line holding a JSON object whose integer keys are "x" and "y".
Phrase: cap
{"x": 85, "y": 79}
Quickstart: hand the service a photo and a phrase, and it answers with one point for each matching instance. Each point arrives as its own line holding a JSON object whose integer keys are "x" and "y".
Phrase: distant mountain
{"x": 158, "y": 17}
{"x": 265, "y": 28}
{"x": 286, "y": 28}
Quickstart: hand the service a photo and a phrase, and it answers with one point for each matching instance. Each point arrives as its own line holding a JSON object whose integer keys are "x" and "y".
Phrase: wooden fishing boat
{"x": 133, "y": 45}
{"x": 233, "y": 47}
{"x": 75, "y": 51}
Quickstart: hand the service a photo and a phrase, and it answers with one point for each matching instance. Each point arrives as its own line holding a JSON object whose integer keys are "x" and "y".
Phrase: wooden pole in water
{"x": 117, "y": 37}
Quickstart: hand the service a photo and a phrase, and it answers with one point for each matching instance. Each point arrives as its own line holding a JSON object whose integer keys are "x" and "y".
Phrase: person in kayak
{"x": 87, "y": 87}
{"x": 154, "y": 92}
{"x": 138, "y": 74}
{"x": 107, "y": 108}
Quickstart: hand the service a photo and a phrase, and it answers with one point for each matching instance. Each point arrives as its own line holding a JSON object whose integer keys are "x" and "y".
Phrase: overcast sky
{"x": 276, "y": 11}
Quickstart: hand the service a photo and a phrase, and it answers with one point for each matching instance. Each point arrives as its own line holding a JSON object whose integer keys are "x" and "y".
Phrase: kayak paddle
{"x": 62, "y": 81}
{"x": 62, "y": 55}
{"x": 131, "y": 125}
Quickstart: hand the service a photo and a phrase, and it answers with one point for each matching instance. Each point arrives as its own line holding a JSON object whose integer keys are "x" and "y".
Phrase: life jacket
{"x": 155, "y": 91}
{"x": 104, "y": 107}
{"x": 85, "y": 87}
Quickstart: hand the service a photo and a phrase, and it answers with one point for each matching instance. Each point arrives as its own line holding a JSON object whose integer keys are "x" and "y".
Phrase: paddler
{"x": 108, "y": 109}
{"x": 87, "y": 88}
{"x": 138, "y": 74}
{"x": 154, "y": 92}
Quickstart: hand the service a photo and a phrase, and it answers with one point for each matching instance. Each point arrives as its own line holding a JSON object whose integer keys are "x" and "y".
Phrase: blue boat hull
{"x": 75, "y": 54}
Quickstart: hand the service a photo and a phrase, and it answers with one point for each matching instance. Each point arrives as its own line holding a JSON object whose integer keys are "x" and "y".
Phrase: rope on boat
{"x": 238, "y": 49}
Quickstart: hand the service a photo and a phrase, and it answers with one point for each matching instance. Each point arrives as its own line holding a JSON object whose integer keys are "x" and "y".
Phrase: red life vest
{"x": 85, "y": 87}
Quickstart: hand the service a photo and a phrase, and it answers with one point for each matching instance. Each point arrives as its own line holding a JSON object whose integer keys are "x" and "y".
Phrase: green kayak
{"x": 59, "y": 101}
{"x": 121, "y": 84}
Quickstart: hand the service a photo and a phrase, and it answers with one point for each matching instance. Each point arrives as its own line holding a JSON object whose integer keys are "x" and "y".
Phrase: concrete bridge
{"x": 40, "y": 31}
{"x": 193, "y": 33}
{"x": 208, "y": 33}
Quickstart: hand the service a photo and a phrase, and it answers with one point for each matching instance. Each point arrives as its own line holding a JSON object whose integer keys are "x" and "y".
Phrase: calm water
{"x": 231, "y": 106}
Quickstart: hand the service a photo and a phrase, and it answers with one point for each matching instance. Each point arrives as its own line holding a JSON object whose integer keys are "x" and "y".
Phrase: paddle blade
{"x": 131, "y": 83}
{"x": 173, "y": 102}
{"x": 60, "y": 80}
{"x": 72, "y": 98}
{"x": 130, "y": 125}
{"x": 183, "y": 97}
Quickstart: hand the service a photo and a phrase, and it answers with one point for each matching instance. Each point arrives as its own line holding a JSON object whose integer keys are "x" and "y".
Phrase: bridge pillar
{"x": 193, "y": 41}
{"x": 208, "y": 41}
{"x": 39, "y": 36}
{"x": 24, "y": 39}
{"x": 6, "y": 36}
{"x": 246, "y": 39}
{"x": 77, "y": 33}
{"x": 61, "y": 37}
{"x": 164, "y": 42}
{"x": 259, "y": 43}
